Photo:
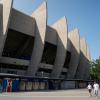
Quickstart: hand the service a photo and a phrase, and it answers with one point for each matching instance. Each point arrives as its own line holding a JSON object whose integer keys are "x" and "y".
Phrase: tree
{"x": 95, "y": 69}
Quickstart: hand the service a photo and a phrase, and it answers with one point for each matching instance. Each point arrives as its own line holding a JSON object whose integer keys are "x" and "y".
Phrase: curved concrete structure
{"x": 21, "y": 25}
{"x": 83, "y": 59}
{"x": 75, "y": 53}
{"x": 1, "y": 7}
{"x": 7, "y": 6}
{"x": 40, "y": 16}
{"x": 51, "y": 35}
{"x": 87, "y": 67}
{"x": 29, "y": 46}
{"x": 1, "y": 16}
{"x": 61, "y": 28}
{"x": 88, "y": 53}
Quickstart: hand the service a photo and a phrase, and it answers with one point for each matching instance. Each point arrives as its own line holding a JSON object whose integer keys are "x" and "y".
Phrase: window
{"x": 10, "y": 66}
{"x": 49, "y": 53}
{"x": 18, "y": 45}
{"x": 67, "y": 60}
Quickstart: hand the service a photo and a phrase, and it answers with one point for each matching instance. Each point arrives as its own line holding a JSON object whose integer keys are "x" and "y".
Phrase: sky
{"x": 81, "y": 14}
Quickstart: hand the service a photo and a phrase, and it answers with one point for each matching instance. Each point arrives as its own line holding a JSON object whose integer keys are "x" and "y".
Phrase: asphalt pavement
{"x": 76, "y": 94}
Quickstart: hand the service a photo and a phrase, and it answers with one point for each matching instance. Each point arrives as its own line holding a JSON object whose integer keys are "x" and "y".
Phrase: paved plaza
{"x": 81, "y": 94}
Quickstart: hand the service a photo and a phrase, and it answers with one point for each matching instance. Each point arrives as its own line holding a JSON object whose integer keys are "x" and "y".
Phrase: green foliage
{"x": 95, "y": 69}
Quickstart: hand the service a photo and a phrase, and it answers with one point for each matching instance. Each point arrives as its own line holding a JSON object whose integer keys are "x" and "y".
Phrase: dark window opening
{"x": 63, "y": 73}
{"x": 10, "y": 66}
{"x": 44, "y": 70}
{"x": 67, "y": 60}
{"x": 18, "y": 45}
{"x": 49, "y": 53}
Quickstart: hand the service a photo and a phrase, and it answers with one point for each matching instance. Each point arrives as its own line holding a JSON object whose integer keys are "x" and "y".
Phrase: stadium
{"x": 31, "y": 48}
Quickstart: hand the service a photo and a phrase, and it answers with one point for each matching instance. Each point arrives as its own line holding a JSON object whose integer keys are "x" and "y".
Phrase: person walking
{"x": 89, "y": 87}
{"x": 96, "y": 88}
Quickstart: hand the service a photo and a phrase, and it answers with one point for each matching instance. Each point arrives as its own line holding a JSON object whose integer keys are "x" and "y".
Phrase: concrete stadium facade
{"x": 30, "y": 47}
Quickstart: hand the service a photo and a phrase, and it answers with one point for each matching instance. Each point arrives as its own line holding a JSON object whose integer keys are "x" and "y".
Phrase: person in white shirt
{"x": 89, "y": 87}
{"x": 96, "y": 88}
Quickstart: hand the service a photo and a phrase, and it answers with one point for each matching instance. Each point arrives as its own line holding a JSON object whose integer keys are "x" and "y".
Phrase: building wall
{"x": 7, "y": 6}
{"x": 1, "y": 16}
{"x": 51, "y": 35}
{"x": 83, "y": 60}
{"x": 75, "y": 52}
{"x": 61, "y": 28}
{"x": 14, "y": 61}
{"x": 57, "y": 34}
{"x": 40, "y": 16}
{"x": 87, "y": 67}
{"x": 13, "y": 71}
{"x": 22, "y": 23}
{"x": 1, "y": 11}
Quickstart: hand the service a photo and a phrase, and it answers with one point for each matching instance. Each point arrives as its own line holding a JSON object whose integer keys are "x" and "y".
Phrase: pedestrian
{"x": 96, "y": 88}
{"x": 89, "y": 87}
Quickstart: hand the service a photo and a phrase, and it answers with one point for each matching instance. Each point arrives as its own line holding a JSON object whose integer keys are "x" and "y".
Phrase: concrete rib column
{"x": 88, "y": 53}
{"x": 1, "y": 16}
{"x": 7, "y": 6}
{"x": 83, "y": 58}
{"x": 40, "y": 16}
{"x": 75, "y": 52}
{"x": 1, "y": 10}
{"x": 61, "y": 28}
{"x": 88, "y": 59}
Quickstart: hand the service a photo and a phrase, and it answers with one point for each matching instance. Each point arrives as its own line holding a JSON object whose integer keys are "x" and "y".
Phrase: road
{"x": 81, "y": 94}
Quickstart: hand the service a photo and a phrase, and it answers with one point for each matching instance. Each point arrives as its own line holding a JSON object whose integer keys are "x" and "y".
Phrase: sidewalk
{"x": 81, "y": 94}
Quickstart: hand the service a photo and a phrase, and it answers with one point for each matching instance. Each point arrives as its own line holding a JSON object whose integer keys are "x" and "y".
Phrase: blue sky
{"x": 81, "y": 14}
